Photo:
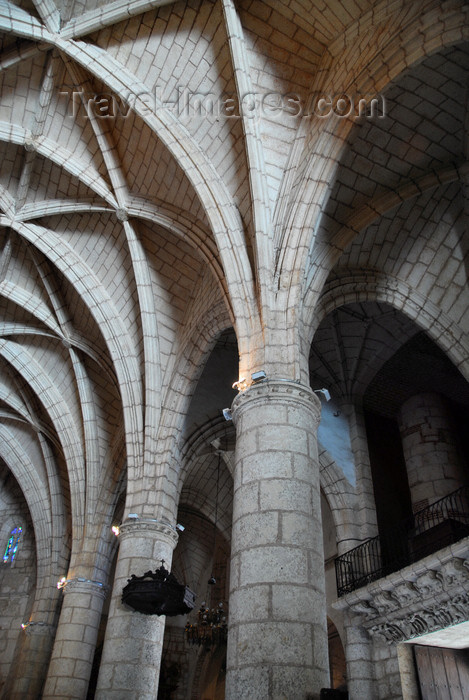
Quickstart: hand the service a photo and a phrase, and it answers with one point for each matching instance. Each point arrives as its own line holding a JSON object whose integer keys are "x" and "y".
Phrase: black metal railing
{"x": 442, "y": 523}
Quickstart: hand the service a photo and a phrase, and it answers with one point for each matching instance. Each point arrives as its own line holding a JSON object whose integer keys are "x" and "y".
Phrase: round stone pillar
{"x": 75, "y": 641}
{"x": 33, "y": 659}
{"x": 277, "y": 642}
{"x": 358, "y": 653}
{"x": 408, "y": 672}
{"x": 430, "y": 449}
{"x": 133, "y": 643}
{"x": 27, "y": 674}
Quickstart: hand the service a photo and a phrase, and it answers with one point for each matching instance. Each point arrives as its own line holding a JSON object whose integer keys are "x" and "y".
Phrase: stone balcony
{"x": 428, "y": 595}
{"x": 429, "y": 530}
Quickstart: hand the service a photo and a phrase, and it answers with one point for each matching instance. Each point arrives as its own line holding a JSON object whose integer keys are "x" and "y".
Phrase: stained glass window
{"x": 12, "y": 545}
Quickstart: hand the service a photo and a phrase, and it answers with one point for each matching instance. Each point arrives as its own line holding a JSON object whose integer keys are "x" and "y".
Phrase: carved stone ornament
{"x": 38, "y": 628}
{"x": 152, "y": 528}
{"x": 281, "y": 391}
{"x": 85, "y": 586}
{"x": 430, "y": 595}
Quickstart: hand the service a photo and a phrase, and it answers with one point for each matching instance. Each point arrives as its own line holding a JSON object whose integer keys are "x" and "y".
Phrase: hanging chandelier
{"x": 211, "y": 627}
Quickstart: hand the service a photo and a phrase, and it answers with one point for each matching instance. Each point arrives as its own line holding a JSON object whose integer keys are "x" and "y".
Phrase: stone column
{"x": 277, "y": 645}
{"x": 28, "y": 672}
{"x": 30, "y": 667}
{"x": 358, "y": 654}
{"x": 430, "y": 449}
{"x": 75, "y": 641}
{"x": 133, "y": 643}
{"x": 366, "y": 507}
{"x": 409, "y": 682}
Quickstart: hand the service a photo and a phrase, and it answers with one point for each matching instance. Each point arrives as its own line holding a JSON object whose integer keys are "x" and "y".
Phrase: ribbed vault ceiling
{"x": 134, "y": 233}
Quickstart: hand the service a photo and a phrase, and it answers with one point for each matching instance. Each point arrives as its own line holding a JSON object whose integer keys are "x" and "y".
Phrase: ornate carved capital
{"x": 84, "y": 585}
{"x": 364, "y": 608}
{"x": 404, "y": 593}
{"x": 427, "y": 620}
{"x": 38, "y": 628}
{"x": 146, "y": 527}
{"x": 415, "y": 600}
{"x": 428, "y": 583}
{"x": 281, "y": 391}
{"x": 385, "y": 602}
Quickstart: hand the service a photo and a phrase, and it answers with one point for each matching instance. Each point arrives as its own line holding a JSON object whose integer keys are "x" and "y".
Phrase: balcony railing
{"x": 442, "y": 523}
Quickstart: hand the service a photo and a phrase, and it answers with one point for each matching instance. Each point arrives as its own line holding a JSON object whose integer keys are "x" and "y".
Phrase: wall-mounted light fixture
{"x": 227, "y": 415}
{"x": 258, "y": 376}
{"x": 240, "y": 385}
{"x": 324, "y": 392}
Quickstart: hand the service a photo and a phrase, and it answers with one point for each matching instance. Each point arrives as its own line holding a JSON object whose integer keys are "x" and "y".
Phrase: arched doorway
{"x": 337, "y": 663}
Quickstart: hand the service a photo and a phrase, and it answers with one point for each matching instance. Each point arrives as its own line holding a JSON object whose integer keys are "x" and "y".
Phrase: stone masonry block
{"x": 256, "y": 528}
{"x": 250, "y": 604}
{"x": 247, "y": 500}
{"x": 250, "y": 682}
{"x": 291, "y": 602}
{"x": 267, "y": 465}
{"x": 287, "y": 438}
{"x": 262, "y": 642}
{"x": 248, "y": 445}
{"x": 295, "y": 530}
{"x": 305, "y": 468}
{"x": 296, "y": 682}
{"x": 286, "y": 495}
{"x": 272, "y": 564}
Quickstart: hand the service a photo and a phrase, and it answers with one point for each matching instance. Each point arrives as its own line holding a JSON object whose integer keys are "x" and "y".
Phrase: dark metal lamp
{"x": 211, "y": 628}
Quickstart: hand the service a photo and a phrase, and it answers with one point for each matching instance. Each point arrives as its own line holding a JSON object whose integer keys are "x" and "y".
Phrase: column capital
{"x": 277, "y": 390}
{"x": 37, "y": 627}
{"x": 84, "y": 585}
{"x": 147, "y": 527}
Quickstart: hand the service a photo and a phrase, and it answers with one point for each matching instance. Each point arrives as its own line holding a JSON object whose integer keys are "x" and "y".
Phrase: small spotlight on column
{"x": 240, "y": 385}
{"x": 324, "y": 392}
